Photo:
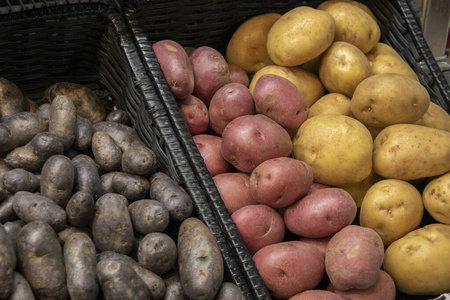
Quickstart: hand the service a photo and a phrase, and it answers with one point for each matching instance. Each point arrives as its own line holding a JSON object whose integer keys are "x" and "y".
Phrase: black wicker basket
{"x": 89, "y": 43}
{"x": 212, "y": 22}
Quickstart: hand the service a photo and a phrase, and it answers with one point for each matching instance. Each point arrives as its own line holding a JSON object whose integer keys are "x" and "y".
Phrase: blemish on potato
{"x": 170, "y": 48}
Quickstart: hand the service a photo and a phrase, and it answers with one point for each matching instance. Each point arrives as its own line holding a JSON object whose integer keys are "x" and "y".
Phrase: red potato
{"x": 384, "y": 288}
{"x": 176, "y": 67}
{"x": 280, "y": 181}
{"x": 354, "y": 257}
{"x": 317, "y": 295}
{"x": 320, "y": 243}
{"x": 234, "y": 189}
{"x": 321, "y": 214}
{"x": 195, "y": 114}
{"x": 211, "y": 72}
{"x": 238, "y": 75}
{"x": 280, "y": 100}
{"x": 209, "y": 147}
{"x": 249, "y": 140}
{"x": 259, "y": 225}
{"x": 317, "y": 186}
{"x": 229, "y": 102}
{"x": 289, "y": 268}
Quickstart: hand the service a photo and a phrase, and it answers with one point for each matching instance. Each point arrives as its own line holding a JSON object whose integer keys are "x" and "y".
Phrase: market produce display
{"x": 334, "y": 157}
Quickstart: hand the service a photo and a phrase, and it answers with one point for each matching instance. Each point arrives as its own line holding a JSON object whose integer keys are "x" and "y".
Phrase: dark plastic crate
{"x": 89, "y": 43}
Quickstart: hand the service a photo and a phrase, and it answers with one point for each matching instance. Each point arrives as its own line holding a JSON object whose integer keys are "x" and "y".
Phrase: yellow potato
{"x": 343, "y": 67}
{"x": 386, "y": 99}
{"x": 306, "y": 82}
{"x": 300, "y": 35}
{"x": 419, "y": 262}
{"x": 435, "y": 117}
{"x": 384, "y": 59}
{"x": 338, "y": 148}
{"x": 436, "y": 198}
{"x": 247, "y": 46}
{"x": 409, "y": 152}
{"x": 354, "y": 25}
{"x": 392, "y": 208}
{"x": 359, "y": 189}
{"x": 325, "y": 4}
{"x": 333, "y": 103}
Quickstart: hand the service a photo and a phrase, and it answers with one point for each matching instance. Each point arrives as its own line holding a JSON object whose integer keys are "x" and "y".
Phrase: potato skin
{"x": 41, "y": 259}
{"x": 125, "y": 136}
{"x": 133, "y": 187}
{"x": 80, "y": 209}
{"x": 210, "y": 149}
{"x": 83, "y": 134}
{"x": 22, "y": 289}
{"x": 87, "y": 177}
{"x": 63, "y": 120}
{"x": 107, "y": 153}
{"x": 111, "y": 227}
{"x": 316, "y": 295}
{"x": 238, "y": 75}
{"x": 174, "y": 290}
{"x": 198, "y": 253}
{"x": 229, "y": 291}
{"x": 80, "y": 261}
{"x": 19, "y": 179}
{"x": 13, "y": 100}
{"x": 157, "y": 252}
{"x": 33, "y": 207}
{"x": 118, "y": 116}
{"x": 6, "y": 210}
{"x": 57, "y": 179}
{"x": 148, "y": 216}
{"x": 194, "y": 113}
{"x": 436, "y": 195}
{"x": 7, "y": 264}
{"x": 139, "y": 160}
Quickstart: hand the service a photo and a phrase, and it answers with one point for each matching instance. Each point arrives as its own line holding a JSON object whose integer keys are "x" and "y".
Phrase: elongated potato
{"x": 133, "y": 187}
{"x": 20, "y": 180}
{"x": 6, "y": 210}
{"x": 80, "y": 261}
{"x": 149, "y": 215}
{"x": 32, "y": 207}
{"x": 125, "y": 136}
{"x": 13, "y": 100}
{"x": 12, "y": 229}
{"x": 7, "y": 264}
{"x": 107, "y": 153}
{"x": 83, "y": 134}
{"x": 21, "y": 289}
{"x": 200, "y": 261}
{"x": 63, "y": 120}
{"x": 80, "y": 209}
{"x": 41, "y": 260}
{"x": 57, "y": 179}
{"x": 87, "y": 177}
{"x": 111, "y": 227}
{"x": 139, "y": 160}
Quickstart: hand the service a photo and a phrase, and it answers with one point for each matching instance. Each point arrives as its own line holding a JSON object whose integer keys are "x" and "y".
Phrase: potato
{"x": 194, "y": 113}
{"x": 125, "y": 136}
{"x": 118, "y": 280}
{"x": 325, "y": 4}
{"x": 353, "y": 258}
{"x": 238, "y": 75}
{"x": 332, "y": 103}
{"x": 12, "y": 99}
{"x": 80, "y": 209}
{"x": 319, "y": 243}
{"x": 211, "y": 72}
{"x": 408, "y": 152}
{"x": 386, "y": 99}
{"x": 343, "y": 67}
{"x": 118, "y": 116}
{"x": 384, "y": 59}
{"x": 229, "y": 102}
{"x": 33, "y": 207}
{"x": 259, "y": 225}
{"x": 392, "y": 208}
{"x": 234, "y": 189}
{"x": 321, "y": 214}
{"x": 20, "y": 180}
{"x": 316, "y": 295}
{"x": 249, "y": 140}
{"x": 58, "y": 179}
{"x": 149, "y": 216}
{"x": 176, "y": 67}
{"x": 359, "y": 189}
{"x": 354, "y": 25}
{"x": 20, "y": 128}
{"x": 200, "y": 261}
{"x": 435, "y": 117}
{"x": 139, "y": 160}
{"x": 12, "y": 229}
{"x": 7, "y": 264}
{"x": 300, "y": 35}
{"x": 111, "y": 227}
{"x": 64, "y": 234}
{"x": 157, "y": 252}
{"x": 247, "y": 46}
{"x": 87, "y": 103}
{"x": 384, "y": 288}
{"x": 279, "y": 99}
{"x": 87, "y": 177}
{"x": 154, "y": 283}
{"x": 229, "y": 291}
{"x": 174, "y": 290}
{"x": 307, "y": 82}
{"x": 41, "y": 261}
{"x": 436, "y": 198}
{"x": 21, "y": 288}
{"x": 165, "y": 190}
{"x": 6, "y": 210}
{"x": 210, "y": 147}
{"x": 279, "y": 182}
{"x": 107, "y": 153}
{"x": 63, "y": 120}
{"x": 337, "y": 147}
{"x": 106, "y": 182}
{"x": 35, "y": 153}
{"x": 80, "y": 261}
{"x": 417, "y": 262}
{"x": 44, "y": 111}
{"x": 289, "y": 267}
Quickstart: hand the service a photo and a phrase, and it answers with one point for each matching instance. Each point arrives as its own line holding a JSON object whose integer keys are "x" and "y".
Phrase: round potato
{"x": 247, "y": 47}
{"x": 316, "y": 295}
{"x": 300, "y": 35}
{"x": 157, "y": 252}
{"x": 194, "y": 113}
{"x": 338, "y": 148}
{"x": 210, "y": 149}
{"x": 385, "y": 99}
{"x": 238, "y": 75}
{"x": 325, "y": 4}
{"x": 332, "y": 103}
{"x": 436, "y": 198}
{"x": 392, "y": 208}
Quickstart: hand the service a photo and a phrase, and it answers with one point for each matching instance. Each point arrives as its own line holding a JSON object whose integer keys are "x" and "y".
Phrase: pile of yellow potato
{"x": 372, "y": 129}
